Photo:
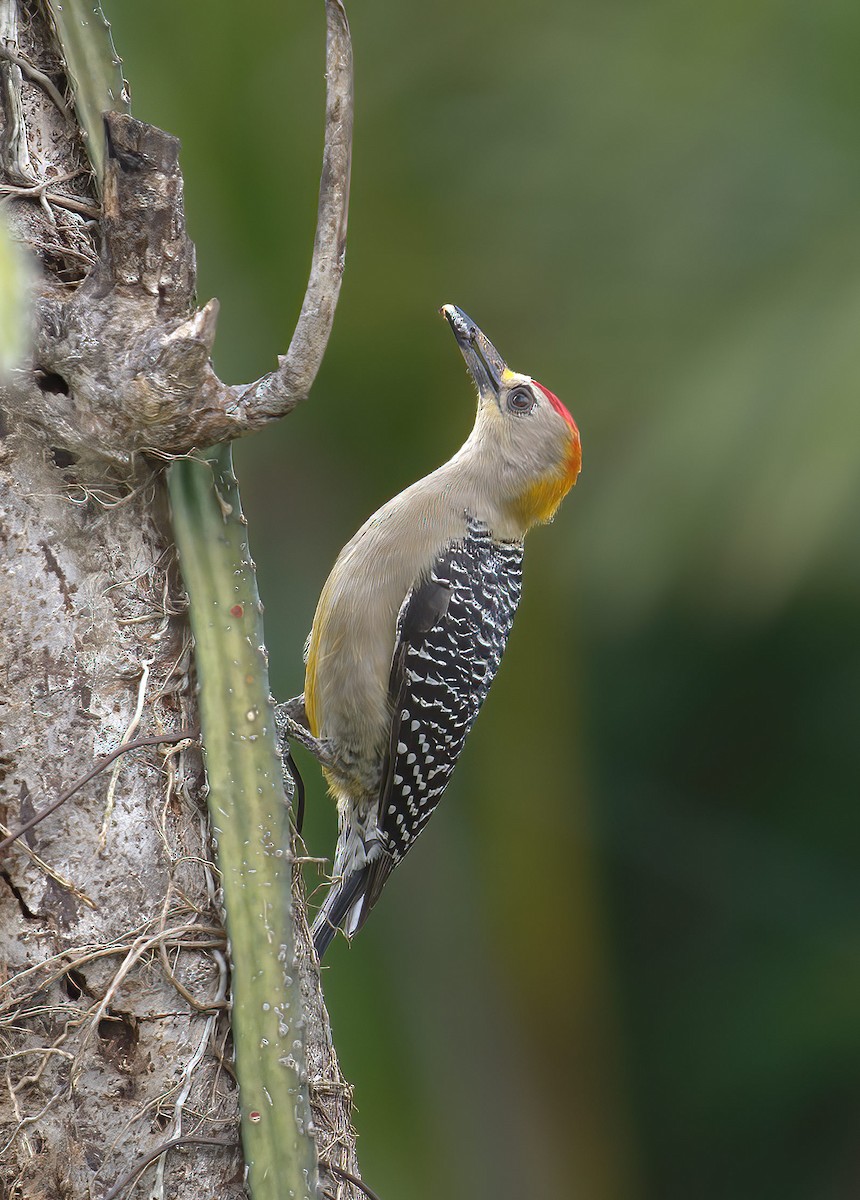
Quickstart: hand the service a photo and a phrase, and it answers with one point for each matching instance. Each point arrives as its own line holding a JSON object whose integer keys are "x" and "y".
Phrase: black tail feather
{"x": 340, "y": 899}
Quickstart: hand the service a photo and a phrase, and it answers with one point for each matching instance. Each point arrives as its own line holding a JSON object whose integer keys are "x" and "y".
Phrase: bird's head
{"x": 521, "y": 427}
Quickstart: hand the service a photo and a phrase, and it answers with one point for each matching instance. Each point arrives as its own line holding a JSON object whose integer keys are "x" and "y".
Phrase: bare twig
{"x": 279, "y": 392}
{"x": 50, "y": 871}
{"x": 220, "y": 1000}
{"x": 137, "y": 950}
{"x": 85, "y": 955}
{"x": 36, "y": 76}
{"x": 126, "y": 738}
{"x": 137, "y": 744}
{"x": 190, "y": 1067}
{"x": 14, "y": 151}
{"x": 348, "y": 1177}
{"x": 33, "y": 1119}
{"x": 39, "y": 191}
{"x": 143, "y": 1163}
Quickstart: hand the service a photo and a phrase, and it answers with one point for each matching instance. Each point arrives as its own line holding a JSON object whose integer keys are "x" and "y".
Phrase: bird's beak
{"x": 486, "y": 365}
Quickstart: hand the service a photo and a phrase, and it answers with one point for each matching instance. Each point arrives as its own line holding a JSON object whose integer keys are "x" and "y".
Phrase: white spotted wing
{"x": 451, "y": 633}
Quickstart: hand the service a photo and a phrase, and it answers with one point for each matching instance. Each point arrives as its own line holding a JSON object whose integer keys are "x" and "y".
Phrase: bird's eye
{"x": 520, "y": 401}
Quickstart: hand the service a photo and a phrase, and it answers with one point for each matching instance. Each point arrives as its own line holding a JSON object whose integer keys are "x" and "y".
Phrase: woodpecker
{"x": 412, "y": 622}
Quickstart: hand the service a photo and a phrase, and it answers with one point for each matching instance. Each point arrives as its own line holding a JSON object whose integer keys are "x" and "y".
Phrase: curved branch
{"x": 157, "y": 362}
{"x": 279, "y": 392}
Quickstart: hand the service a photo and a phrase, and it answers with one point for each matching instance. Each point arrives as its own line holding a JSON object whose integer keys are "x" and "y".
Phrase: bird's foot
{"x": 290, "y": 718}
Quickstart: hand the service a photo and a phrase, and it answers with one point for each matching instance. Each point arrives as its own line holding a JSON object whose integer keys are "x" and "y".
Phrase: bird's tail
{"x": 343, "y": 905}
{"x": 349, "y": 900}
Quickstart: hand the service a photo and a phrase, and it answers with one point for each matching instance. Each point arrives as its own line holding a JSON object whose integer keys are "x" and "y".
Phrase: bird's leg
{"x": 291, "y": 720}
{"x": 293, "y": 710}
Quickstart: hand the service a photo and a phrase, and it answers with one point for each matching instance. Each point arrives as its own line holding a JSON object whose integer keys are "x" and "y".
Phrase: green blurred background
{"x": 624, "y": 960}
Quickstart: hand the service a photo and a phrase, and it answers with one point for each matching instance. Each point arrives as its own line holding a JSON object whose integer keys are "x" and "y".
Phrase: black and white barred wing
{"x": 451, "y": 633}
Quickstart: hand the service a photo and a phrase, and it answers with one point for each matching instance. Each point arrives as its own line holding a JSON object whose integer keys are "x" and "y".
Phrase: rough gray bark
{"x": 114, "y": 1025}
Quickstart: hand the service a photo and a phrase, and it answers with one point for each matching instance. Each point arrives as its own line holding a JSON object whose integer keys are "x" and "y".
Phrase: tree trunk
{"x": 114, "y": 974}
